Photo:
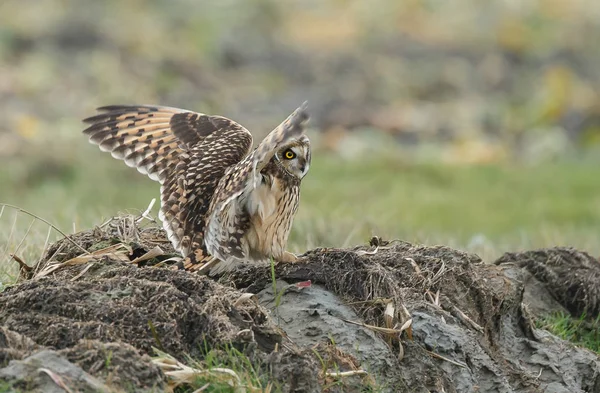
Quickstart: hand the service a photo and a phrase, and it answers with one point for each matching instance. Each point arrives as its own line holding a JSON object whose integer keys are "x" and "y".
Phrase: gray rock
{"x": 33, "y": 374}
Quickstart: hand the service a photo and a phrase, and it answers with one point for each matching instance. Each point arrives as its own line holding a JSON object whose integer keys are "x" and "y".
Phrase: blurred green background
{"x": 470, "y": 123}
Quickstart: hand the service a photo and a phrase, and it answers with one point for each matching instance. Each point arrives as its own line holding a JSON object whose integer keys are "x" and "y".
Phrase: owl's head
{"x": 294, "y": 157}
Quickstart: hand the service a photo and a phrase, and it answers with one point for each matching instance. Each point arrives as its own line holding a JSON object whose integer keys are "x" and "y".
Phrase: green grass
{"x": 231, "y": 359}
{"x": 580, "y": 331}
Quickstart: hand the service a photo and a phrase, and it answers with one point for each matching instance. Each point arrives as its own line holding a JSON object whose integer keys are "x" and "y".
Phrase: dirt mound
{"x": 469, "y": 329}
{"x": 572, "y": 277}
{"x": 386, "y": 317}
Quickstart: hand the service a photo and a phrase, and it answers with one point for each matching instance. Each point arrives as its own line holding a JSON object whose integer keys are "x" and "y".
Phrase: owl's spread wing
{"x": 227, "y": 213}
{"x": 187, "y": 152}
{"x": 150, "y": 138}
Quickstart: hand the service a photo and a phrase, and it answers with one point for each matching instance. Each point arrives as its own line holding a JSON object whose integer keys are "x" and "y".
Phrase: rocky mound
{"x": 390, "y": 316}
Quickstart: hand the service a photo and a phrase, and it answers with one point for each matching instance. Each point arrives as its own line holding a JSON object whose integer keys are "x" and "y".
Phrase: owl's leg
{"x": 287, "y": 257}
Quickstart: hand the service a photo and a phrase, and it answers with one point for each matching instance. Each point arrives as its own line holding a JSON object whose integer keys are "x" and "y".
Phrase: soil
{"x": 456, "y": 324}
{"x": 571, "y": 276}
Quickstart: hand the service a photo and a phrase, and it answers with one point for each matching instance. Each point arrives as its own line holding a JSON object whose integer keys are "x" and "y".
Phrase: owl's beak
{"x": 304, "y": 169}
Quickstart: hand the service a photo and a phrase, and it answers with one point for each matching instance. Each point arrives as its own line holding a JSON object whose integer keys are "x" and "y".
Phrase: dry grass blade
{"x": 146, "y": 212}
{"x": 165, "y": 261}
{"x": 118, "y": 251}
{"x": 388, "y": 315}
{"x": 362, "y": 252}
{"x": 244, "y": 298}
{"x": 439, "y": 273}
{"x": 246, "y": 335}
{"x": 342, "y": 374}
{"x": 180, "y": 374}
{"x": 268, "y": 388}
{"x": 415, "y": 266}
{"x": 435, "y": 355}
{"x": 406, "y": 325}
{"x": 153, "y": 253}
{"x": 400, "y": 351}
{"x": 374, "y": 328}
{"x": 467, "y": 320}
{"x": 56, "y": 379}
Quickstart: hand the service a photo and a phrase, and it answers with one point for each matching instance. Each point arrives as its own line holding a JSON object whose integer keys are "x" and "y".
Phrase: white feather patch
{"x": 262, "y": 201}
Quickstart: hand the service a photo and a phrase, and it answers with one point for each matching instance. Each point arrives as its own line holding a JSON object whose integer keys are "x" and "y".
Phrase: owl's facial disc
{"x": 295, "y": 158}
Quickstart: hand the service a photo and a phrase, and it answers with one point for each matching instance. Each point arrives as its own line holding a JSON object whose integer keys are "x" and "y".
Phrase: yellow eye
{"x": 290, "y": 155}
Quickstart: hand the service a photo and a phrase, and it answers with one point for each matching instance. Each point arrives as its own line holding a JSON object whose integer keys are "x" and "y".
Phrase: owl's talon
{"x": 288, "y": 257}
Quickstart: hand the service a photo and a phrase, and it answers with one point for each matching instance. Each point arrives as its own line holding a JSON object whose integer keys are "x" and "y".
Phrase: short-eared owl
{"x": 221, "y": 201}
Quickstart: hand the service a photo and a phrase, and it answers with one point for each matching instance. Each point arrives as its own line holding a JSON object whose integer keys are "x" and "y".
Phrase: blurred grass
{"x": 488, "y": 209}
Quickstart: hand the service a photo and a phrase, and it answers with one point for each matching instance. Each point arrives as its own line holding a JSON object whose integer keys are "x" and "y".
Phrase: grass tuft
{"x": 580, "y": 331}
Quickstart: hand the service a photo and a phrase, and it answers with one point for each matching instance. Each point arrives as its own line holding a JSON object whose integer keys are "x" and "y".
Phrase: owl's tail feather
{"x": 197, "y": 261}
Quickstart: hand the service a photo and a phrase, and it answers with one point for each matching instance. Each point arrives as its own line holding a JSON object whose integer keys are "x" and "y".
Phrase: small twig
{"x": 440, "y": 272}
{"x": 435, "y": 355}
{"x": 146, "y": 212}
{"x": 21, "y": 263}
{"x": 363, "y": 252}
{"x": 466, "y": 319}
{"x": 431, "y": 298}
{"x": 416, "y": 267}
